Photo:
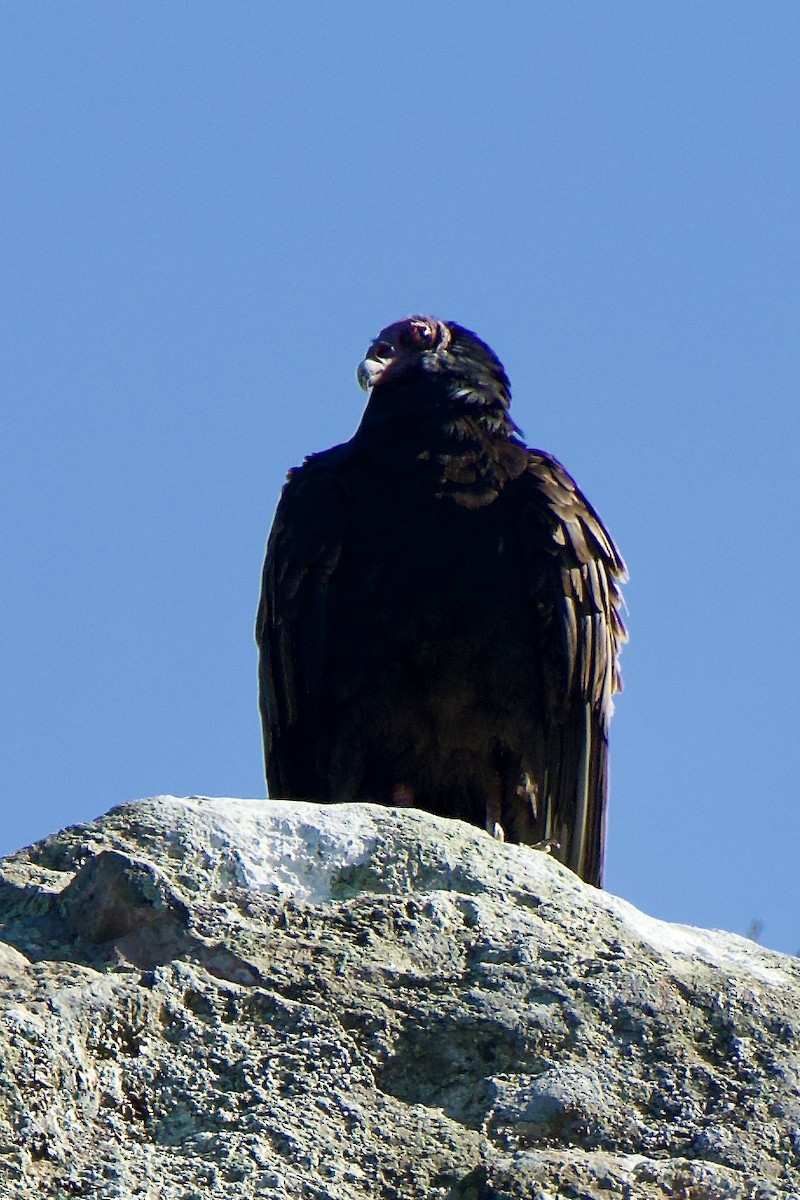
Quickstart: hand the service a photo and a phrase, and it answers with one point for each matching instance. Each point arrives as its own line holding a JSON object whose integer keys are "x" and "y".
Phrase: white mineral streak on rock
{"x": 285, "y": 847}
{"x": 713, "y": 946}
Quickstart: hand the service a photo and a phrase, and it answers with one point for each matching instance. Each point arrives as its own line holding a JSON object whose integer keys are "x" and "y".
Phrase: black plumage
{"x": 440, "y": 614}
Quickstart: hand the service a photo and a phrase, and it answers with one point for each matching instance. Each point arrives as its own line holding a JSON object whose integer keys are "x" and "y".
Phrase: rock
{"x": 233, "y": 999}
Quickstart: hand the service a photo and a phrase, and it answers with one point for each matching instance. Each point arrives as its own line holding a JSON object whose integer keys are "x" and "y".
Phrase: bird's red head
{"x": 402, "y": 346}
{"x": 425, "y": 347}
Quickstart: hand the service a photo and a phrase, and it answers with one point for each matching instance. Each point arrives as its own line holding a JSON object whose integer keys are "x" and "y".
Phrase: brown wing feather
{"x": 582, "y": 634}
{"x": 291, "y": 629}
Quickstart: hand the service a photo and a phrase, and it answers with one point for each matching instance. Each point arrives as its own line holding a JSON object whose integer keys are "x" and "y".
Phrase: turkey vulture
{"x": 440, "y": 613}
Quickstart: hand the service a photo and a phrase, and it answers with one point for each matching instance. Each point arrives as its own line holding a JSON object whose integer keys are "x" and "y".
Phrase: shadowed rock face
{"x": 229, "y": 998}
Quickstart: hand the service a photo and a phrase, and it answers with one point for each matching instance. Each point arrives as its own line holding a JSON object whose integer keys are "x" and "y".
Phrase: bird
{"x": 441, "y": 612}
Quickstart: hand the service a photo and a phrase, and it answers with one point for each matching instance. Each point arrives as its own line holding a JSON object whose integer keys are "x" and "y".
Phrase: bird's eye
{"x": 419, "y": 335}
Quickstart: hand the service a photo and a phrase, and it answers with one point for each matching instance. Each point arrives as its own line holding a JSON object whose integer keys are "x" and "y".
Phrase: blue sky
{"x": 209, "y": 209}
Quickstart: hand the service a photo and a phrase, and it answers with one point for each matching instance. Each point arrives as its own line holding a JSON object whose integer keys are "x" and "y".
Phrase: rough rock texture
{"x": 229, "y": 998}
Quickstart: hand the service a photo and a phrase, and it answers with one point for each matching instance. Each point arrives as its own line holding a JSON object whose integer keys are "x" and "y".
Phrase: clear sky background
{"x": 209, "y": 209}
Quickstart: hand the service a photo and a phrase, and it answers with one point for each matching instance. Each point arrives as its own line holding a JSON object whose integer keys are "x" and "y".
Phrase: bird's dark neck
{"x": 463, "y": 441}
{"x": 436, "y": 412}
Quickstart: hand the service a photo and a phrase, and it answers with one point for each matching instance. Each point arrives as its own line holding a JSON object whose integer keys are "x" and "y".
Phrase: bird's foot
{"x": 491, "y": 821}
{"x": 547, "y": 847}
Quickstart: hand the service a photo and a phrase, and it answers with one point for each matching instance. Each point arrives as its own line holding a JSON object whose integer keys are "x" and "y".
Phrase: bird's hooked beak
{"x": 375, "y": 364}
